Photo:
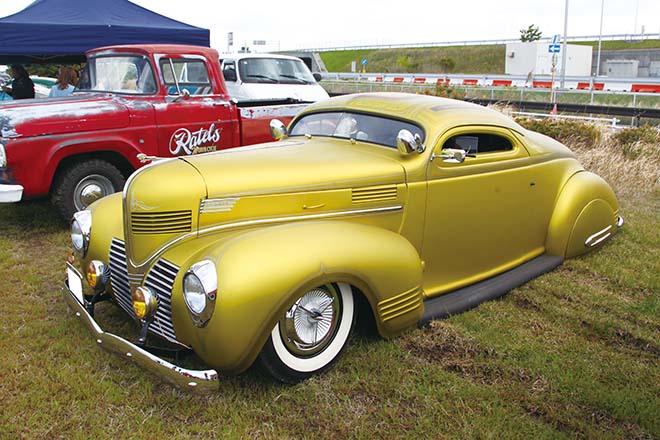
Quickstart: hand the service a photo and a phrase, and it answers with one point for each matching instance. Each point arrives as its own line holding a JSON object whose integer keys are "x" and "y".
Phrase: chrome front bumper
{"x": 192, "y": 380}
{"x": 10, "y": 193}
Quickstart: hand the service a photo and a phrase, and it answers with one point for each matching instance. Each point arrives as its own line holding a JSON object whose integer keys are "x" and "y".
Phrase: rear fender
{"x": 586, "y": 211}
{"x": 262, "y": 272}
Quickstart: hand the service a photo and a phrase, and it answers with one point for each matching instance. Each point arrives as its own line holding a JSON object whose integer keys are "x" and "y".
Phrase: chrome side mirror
{"x": 408, "y": 143}
{"x": 452, "y": 155}
{"x": 278, "y": 129}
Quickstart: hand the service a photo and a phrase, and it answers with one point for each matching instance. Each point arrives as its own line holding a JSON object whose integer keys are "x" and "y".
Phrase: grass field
{"x": 467, "y": 59}
{"x": 572, "y": 354}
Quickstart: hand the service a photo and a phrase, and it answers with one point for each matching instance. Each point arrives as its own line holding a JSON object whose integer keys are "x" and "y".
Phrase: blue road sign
{"x": 554, "y": 48}
{"x": 364, "y": 61}
{"x": 555, "y": 39}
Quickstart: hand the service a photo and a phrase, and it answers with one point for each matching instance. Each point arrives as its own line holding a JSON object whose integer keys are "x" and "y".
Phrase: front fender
{"x": 585, "y": 207}
{"x": 262, "y": 272}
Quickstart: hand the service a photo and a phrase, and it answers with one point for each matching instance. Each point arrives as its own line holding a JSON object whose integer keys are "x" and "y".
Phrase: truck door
{"x": 193, "y": 118}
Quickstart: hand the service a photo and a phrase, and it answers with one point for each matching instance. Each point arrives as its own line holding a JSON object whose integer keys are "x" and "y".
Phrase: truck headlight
{"x": 81, "y": 227}
{"x": 200, "y": 287}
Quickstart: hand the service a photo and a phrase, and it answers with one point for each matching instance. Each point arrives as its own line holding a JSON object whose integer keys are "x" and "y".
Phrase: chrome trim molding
{"x": 264, "y": 221}
{"x": 201, "y": 381}
{"x": 298, "y": 217}
{"x": 208, "y": 206}
{"x": 594, "y": 239}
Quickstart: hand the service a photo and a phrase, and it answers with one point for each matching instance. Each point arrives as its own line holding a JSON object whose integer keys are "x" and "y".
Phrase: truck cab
{"x": 132, "y": 100}
{"x": 269, "y": 76}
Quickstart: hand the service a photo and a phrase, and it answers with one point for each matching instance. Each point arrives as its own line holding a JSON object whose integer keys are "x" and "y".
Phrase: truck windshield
{"x": 274, "y": 70}
{"x": 374, "y": 129}
{"x": 130, "y": 74}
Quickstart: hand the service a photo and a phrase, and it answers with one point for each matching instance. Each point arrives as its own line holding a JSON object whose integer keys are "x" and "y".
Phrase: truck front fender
{"x": 586, "y": 208}
{"x": 262, "y": 272}
{"x": 88, "y": 145}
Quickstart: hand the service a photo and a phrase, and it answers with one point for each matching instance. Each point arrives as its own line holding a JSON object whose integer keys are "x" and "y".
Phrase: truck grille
{"x": 160, "y": 278}
{"x": 170, "y": 222}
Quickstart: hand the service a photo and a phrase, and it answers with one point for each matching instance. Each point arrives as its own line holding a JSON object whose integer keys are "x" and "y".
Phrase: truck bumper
{"x": 10, "y": 193}
{"x": 203, "y": 381}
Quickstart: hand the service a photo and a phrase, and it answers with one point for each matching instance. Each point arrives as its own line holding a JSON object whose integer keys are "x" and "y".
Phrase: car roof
{"x": 170, "y": 49}
{"x": 430, "y": 111}
{"x": 238, "y": 56}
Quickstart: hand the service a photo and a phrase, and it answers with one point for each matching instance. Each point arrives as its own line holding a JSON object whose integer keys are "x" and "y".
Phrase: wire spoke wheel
{"x": 311, "y": 334}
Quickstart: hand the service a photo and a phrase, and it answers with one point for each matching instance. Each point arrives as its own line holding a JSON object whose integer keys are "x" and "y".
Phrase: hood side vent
{"x": 374, "y": 194}
{"x": 171, "y": 222}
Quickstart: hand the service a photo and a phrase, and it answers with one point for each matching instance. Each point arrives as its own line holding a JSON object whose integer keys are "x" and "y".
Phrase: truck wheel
{"x": 83, "y": 183}
{"x": 311, "y": 335}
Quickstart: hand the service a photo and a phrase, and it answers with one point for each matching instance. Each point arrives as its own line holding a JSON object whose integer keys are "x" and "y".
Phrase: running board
{"x": 469, "y": 297}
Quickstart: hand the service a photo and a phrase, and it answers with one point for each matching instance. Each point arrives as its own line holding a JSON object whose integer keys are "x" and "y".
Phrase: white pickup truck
{"x": 268, "y": 76}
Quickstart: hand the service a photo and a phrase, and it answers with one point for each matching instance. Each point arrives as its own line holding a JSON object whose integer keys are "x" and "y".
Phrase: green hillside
{"x": 453, "y": 59}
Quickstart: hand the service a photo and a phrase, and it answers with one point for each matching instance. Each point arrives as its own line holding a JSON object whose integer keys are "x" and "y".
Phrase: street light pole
{"x": 600, "y": 37}
{"x": 563, "y": 49}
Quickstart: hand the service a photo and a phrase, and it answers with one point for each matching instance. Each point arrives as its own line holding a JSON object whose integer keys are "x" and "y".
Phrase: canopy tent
{"x": 59, "y": 31}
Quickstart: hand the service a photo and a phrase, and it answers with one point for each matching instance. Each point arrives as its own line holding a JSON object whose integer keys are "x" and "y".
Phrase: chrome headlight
{"x": 3, "y": 155}
{"x": 200, "y": 287}
{"x": 81, "y": 227}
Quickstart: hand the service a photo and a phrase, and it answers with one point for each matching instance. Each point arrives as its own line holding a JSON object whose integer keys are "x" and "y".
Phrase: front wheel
{"x": 311, "y": 335}
{"x": 83, "y": 183}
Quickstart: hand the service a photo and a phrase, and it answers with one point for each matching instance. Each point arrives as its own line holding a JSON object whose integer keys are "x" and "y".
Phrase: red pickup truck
{"x": 156, "y": 100}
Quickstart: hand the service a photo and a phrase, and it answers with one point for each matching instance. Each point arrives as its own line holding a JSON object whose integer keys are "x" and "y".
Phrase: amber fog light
{"x": 145, "y": 303}
{"x": 97, "y": 275}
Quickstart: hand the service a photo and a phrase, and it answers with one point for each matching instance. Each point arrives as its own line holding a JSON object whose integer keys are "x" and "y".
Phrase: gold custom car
{"x": 405, "y": 207}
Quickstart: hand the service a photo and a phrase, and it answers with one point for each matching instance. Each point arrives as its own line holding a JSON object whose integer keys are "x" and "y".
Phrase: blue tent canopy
{"x": 62, "y": 30}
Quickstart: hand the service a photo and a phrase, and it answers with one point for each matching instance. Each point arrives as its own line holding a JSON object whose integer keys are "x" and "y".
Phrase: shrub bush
{"x": 570, "y": 133}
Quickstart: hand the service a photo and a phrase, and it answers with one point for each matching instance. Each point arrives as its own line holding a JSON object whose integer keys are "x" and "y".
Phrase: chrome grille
{"x": 170, "y": 222}
{"x": 374, "y": 194}
{"x": 160, "y": 278}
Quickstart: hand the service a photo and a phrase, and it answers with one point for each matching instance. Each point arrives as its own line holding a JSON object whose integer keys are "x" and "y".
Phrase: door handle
{"x": 320, "y": 205}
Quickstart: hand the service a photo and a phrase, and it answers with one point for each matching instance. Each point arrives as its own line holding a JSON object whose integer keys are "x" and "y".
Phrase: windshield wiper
{"x": 299, "y": 80}
{"x": 263, "y": 77}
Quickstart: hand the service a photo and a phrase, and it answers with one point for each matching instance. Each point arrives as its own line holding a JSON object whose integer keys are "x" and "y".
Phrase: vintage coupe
{"x": 416, "y": 207}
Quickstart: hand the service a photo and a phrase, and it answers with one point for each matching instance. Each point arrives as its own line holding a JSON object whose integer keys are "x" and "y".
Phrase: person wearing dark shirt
{"x": 22, "y": 86}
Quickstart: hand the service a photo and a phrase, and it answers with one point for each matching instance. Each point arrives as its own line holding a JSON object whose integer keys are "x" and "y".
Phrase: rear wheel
{"x": 311, "y": 335}
{"x": 81, "y": 184}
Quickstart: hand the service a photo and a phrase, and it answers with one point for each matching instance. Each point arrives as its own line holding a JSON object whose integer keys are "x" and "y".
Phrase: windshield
{"x": 274, "y": 70}
{"x": 366, "y": 128}
{"x": 119, "y": 74}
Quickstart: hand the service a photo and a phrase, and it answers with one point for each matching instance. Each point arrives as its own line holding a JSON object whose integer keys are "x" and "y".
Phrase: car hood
{"x": 257, "y": 91}
{"x": 295, "y": 165}
{"x": 36, "y": 117}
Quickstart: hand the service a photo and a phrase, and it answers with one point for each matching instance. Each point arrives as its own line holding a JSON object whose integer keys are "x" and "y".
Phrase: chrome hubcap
{"x": 90, "y": 189}
{"x": 311, "y": 323}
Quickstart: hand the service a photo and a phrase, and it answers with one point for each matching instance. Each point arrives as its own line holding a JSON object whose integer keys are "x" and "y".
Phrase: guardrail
{"x": 600, "y": 83}
{"x": 331, "y": 47}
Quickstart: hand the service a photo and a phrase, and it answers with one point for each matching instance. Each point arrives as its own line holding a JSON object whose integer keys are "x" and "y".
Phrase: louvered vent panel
{"x": 374, "y": 194}
{"x": 171, "y": 222}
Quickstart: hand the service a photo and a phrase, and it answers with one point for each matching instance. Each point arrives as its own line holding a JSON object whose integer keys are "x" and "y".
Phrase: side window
{"x": 188, "y": 74}
{"x": 229, "y": 71}
{"x": 477, "y": 143}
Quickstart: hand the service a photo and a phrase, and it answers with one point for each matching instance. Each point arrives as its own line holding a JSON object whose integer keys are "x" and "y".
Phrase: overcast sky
{"x": 293, "y": 25}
